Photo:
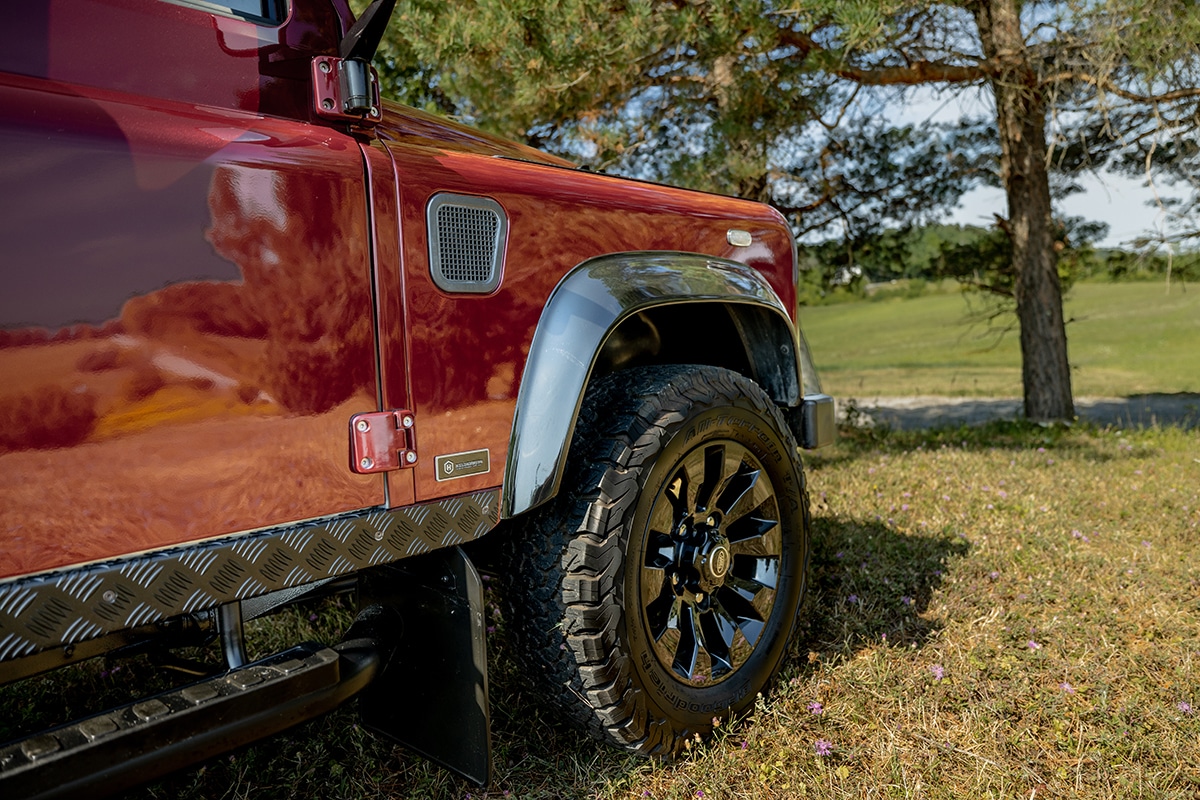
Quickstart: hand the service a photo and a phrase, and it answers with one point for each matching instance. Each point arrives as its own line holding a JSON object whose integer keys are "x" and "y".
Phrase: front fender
{"x": 586, "y": 307}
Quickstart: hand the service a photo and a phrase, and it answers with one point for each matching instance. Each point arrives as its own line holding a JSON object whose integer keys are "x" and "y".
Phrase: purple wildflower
{"x": 1184, "y": 706}
{"x": 906, "y": 600}
{"x": 815, "y": 708}
{"x": 938, "y": 671}
{"x": 1067, "y": 688}
{"x": 823, "y": 748}
{"x": 852, "y": 599}
{"x": 1032, "y": 645}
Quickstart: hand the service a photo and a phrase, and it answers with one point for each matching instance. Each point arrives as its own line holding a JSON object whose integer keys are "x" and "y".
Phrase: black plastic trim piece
{"x": 432, "y": 695}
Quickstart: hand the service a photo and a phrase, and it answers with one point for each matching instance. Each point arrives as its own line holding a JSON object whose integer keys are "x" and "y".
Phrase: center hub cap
{"x": 718, "y": 562}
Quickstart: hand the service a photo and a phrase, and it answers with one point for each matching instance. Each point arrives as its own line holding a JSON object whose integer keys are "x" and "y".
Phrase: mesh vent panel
{"x": 467, "y": 243}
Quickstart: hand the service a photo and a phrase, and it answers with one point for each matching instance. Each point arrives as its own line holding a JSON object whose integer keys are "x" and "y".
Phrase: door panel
{"x": 186, "y": 324}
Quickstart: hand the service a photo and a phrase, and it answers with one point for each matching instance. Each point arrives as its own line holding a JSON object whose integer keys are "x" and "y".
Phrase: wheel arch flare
{"x": 633, "y": 309}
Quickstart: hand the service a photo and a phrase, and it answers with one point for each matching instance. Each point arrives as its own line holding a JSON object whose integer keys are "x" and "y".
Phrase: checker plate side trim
{"x": 61, "y": 608}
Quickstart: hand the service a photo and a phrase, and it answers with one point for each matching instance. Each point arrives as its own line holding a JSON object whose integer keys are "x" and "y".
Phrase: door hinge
{"x": 346, "y": 89}
{"x": 381, "y": 441}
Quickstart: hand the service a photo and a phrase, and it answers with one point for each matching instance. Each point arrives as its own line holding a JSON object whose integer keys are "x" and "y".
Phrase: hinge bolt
{"x": 366, "y": 463}
{"x": 363, "y": 426}
{"x": 407, "y": 421}
{"x": 410, "y": 457}
{"x": 325, "y": 67}
{"x": 327, "y": 104}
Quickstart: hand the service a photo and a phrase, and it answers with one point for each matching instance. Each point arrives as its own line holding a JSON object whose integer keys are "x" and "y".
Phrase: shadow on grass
{"x": 869, "y": 584}
{"x": 1014, "y": 436}
{"x": 1180, "y": 409}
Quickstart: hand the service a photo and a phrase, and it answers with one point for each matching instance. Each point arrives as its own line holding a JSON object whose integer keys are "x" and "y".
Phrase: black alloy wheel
{"x": 659, "y": 590}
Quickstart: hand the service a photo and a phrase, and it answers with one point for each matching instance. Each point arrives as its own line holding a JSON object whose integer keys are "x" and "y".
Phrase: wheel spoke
{"x": 718, "y": 630}
{"x": 677, "y": 494}
{"x": 741, "y": 482}
{"x": 742, "y": 612}
{"x": 749, "y": 527}
{"x": 660, "y": 550}
{"x": 689, "y": 647}
{"x": 763, "y": 570}
{"x": 662, "y": 613}
{"x": 714, "y": 470}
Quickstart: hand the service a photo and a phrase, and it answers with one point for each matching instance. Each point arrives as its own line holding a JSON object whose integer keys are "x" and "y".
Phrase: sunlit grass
{"x": 1123, "y": 339}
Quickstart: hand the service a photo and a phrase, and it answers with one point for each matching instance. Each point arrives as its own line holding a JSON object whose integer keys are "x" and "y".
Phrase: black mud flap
{"x": 432, "y": 694}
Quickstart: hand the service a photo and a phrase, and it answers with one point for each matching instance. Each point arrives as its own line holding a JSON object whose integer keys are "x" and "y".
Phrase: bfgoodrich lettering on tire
{"x": 660, "y": 588}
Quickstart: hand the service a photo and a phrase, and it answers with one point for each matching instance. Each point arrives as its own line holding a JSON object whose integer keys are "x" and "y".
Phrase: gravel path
{"x": 1141, "y": 410}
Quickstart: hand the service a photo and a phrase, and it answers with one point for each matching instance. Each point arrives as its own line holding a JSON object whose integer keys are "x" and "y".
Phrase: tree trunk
{"x": 1021, "y": 122}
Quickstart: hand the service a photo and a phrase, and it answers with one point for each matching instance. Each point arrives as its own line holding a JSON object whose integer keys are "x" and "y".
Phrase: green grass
{"x": 1122, "y": 339}
{"x": 1009, "y": 611}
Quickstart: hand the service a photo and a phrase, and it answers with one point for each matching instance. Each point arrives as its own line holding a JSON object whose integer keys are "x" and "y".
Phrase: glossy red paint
{"x": 204, "y": 282}
{"x": 186, "y": 322}
{"x": 467, "y": 352}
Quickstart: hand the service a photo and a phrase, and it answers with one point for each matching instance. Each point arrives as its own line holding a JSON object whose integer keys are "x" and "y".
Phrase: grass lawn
{"x": 1003, "y": 612}
{"x": 1123, "y": 339}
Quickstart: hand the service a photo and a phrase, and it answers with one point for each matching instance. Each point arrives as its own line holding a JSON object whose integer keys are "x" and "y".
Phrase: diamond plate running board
{"x": 60, "y": 609}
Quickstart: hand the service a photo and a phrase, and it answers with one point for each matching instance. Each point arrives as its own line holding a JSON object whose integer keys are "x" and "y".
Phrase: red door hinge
{"x": 382, "y": 440}
{"x": 345, "y": 89}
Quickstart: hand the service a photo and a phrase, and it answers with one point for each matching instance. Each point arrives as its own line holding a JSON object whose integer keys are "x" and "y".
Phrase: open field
{"x": 1006, "y": 612}
{"x": 1123, "y": 339}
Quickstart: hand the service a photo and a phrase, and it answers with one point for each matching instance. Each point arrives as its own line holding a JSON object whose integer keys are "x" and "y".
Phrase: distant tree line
{"x": 978, "y": 258}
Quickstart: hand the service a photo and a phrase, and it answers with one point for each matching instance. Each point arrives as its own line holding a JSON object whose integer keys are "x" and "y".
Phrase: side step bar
{"x": 149, "y": 738}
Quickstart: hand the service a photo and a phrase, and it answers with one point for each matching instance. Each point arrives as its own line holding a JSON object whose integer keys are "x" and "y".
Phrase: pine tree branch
{"x": 910, "y": 74}
{"x": 1108, "y": 85}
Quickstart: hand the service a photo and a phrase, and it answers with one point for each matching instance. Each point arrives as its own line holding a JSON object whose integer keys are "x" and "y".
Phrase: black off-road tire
{"x": 683, "y": 508}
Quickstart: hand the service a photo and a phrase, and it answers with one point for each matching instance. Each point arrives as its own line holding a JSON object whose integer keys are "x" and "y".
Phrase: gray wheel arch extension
{"x": 583, "y": 312}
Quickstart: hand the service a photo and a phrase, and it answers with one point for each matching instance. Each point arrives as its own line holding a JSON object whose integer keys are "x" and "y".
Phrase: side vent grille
{"x": 466, "y": 242}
